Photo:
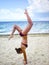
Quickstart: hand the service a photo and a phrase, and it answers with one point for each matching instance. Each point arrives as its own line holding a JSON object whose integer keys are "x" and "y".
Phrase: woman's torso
{"x": 24, "y": 39}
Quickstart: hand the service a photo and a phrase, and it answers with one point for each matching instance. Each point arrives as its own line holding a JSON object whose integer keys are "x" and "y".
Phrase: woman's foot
{"x": 25, "y": 11}
{"x": 11, "y": 36}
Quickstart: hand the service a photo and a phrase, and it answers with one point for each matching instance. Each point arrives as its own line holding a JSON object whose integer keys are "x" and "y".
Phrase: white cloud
{"x": 43, "y": 19}
{"x": 39, "y": 5}
{"x": 17, "y": 14}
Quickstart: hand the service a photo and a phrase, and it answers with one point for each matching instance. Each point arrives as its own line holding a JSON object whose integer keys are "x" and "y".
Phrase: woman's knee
{"x": 31, "y": 23}
{"x": 14, "y": 26}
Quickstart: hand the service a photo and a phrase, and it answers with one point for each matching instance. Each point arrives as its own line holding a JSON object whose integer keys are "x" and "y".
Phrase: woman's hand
{"x": 25, "y": 62}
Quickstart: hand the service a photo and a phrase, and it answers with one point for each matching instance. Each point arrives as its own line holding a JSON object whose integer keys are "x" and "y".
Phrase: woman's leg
{"x": 15, "y": 27}
{"x": 30, "y": 23}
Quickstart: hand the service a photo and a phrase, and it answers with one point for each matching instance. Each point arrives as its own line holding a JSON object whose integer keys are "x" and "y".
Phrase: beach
{"x": 37, "y": 51}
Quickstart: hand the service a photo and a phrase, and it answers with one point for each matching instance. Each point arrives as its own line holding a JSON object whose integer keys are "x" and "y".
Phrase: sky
{"x": 13, "y": 10}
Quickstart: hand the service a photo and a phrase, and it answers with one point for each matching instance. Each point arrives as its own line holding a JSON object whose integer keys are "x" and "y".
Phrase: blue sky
{"x": 13, "y": 4}
{"x": 13, "y": 10}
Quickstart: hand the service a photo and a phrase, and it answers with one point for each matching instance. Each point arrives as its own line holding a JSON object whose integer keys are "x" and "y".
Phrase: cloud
{"x": 17, "y": 14}
{"x": 38, "y": 9}
{"x": 39, "y": 5}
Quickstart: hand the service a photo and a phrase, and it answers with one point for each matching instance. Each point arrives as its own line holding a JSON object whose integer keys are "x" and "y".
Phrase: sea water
{"x": 38, "y": 26}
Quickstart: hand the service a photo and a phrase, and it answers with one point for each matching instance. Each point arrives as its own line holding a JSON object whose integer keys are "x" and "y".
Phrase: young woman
{"x": 23, "y": 33}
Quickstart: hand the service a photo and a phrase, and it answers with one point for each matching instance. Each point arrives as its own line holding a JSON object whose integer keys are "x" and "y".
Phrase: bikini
{"x": 25, "y": 45}
{"x": 22, "y": 36}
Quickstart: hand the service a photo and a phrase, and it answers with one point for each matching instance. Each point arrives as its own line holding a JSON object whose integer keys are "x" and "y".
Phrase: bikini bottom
{"x": 25, "y": 45}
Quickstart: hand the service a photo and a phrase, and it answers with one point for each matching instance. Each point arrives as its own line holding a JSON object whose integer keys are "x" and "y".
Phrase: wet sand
{"x": 37, "y": 51}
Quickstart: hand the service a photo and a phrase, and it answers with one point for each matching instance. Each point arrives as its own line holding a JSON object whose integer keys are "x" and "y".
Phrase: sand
{"x": 37, "y": 51}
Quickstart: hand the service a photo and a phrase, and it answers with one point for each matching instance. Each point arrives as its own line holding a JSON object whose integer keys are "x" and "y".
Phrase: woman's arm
{"x": 25, "y": 56}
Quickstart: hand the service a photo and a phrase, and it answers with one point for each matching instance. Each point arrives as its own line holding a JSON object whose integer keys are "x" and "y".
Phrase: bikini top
{"x": 22, "y": 34}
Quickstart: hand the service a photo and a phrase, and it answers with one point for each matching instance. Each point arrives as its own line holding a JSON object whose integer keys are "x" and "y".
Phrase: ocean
{"x": 38, "y": 27}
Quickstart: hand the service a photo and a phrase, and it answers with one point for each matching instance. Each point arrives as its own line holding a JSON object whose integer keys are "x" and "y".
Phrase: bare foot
{"x": 25, "y": 11}
{"x": 11, "y": 36}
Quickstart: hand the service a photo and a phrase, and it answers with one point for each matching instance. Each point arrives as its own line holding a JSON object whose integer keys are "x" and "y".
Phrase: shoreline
{"x": 35, "y": 34}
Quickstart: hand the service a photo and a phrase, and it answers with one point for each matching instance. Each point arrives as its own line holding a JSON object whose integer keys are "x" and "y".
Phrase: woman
{"x": 23, "y": 33}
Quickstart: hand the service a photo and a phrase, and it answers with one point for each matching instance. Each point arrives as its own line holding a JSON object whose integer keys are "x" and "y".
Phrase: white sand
{"x": 37, "y": 51}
